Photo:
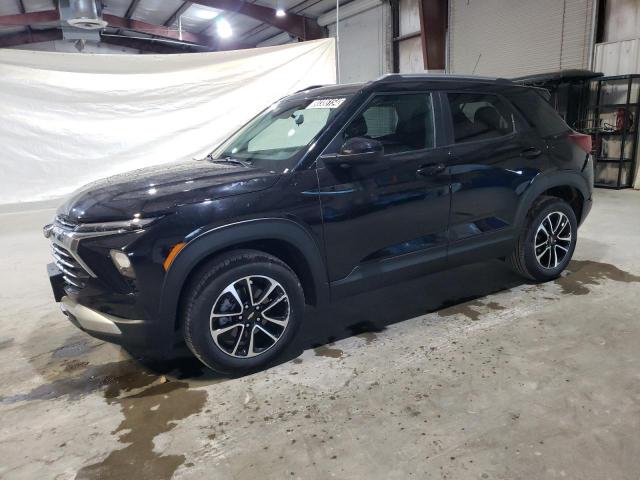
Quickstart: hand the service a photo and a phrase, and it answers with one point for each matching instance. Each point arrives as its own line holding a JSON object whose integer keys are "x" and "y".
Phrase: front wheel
{"x": 241, "y": 310}
{"x": 547, "y": 242}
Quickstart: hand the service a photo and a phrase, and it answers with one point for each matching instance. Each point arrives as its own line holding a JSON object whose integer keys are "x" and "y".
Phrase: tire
{"x": 233, "y": 337}
{"x": 528, "y": 257}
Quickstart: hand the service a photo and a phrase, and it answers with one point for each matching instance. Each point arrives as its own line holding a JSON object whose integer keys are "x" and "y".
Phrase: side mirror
{"x": 357, "y": 150}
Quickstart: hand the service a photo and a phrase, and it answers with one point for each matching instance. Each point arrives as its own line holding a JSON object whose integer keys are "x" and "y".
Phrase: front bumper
{"x": 90, "y": 320}
{"x": 132, "y": 333}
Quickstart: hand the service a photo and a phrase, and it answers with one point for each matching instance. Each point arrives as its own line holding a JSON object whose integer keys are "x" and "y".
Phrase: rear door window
{"x": 538, "y": 112}
{"x": 479, "y": 117}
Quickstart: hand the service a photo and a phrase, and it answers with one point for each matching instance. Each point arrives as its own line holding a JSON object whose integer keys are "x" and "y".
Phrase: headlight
{"x": 115, "y": 227}
{"x": 122, "y": 263}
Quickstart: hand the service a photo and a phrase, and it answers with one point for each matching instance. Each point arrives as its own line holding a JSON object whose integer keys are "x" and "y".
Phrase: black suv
{"x": 329, "y": 192}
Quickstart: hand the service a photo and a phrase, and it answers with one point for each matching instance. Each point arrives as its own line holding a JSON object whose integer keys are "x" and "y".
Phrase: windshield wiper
{"x": 228, "y": 159}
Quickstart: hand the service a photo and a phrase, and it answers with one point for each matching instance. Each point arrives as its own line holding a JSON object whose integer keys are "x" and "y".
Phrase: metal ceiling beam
{"x": 35, "y": 36}
{"x": 293, "y": 9}
{"x": 297, "y": 25}
{"x": 26, "y": 19}
{"x": 132, "y": 8}
{"x": 144, "y": 45}
{"x": 433, "y": 32}
{"x": 157, "y": 30}
{"x": 157, "y": 45}
{"x": 177, "y": 14}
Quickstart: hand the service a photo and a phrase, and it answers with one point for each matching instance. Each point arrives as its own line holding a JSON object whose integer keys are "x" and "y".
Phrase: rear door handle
{"x": 431, "y": 169}
{"x": 531, "y": 152}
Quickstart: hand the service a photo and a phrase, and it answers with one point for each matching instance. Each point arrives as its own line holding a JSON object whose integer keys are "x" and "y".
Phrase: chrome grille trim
{"x": 69, "y": 272}
{"x": 64, "y": 245}
{"x": 61, "y": 251}
{"x": 74, "y": 283}
{"x": 63, "y": 222}
{"x": 73, "y": 271}
{"x": 59, "y": 260}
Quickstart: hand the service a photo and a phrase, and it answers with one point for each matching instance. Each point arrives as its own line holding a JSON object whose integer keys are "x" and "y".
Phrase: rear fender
{"x": 542, "y": 183}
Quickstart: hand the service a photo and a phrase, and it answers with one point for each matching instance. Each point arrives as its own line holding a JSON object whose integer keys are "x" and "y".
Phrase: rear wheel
{"x": 547, "y": 241}
{"x": 241, "y": 311}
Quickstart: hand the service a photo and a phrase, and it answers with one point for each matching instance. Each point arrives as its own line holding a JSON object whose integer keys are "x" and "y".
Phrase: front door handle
{"x": 531, "y": 152}
{"x": 431, "y": 169}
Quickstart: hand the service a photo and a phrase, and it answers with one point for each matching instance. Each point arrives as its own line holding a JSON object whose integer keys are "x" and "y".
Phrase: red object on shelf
{"x": 581, "y": 140}
{"x": 620, "y": 119}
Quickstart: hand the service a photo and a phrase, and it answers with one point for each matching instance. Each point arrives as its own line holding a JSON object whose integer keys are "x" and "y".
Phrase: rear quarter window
{"x": 538, "y": 112}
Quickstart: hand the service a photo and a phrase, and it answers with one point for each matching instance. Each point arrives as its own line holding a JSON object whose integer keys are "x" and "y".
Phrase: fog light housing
{"x": 122, "y": 263}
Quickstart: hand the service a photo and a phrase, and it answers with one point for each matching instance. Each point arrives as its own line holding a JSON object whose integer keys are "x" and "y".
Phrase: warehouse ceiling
{"x": 167, "y": 26}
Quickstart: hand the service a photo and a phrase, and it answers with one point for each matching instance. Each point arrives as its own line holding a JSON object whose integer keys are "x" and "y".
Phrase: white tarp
{"x": 68, "y": 119}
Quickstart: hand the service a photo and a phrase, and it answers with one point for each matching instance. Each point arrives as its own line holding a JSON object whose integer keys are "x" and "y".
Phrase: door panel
{"x": 488, "y": 177}
{"x": 388, "y": 219}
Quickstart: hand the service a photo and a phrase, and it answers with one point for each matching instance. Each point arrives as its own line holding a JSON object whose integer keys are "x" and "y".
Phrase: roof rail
{"x": 311, "y": 87}
{"x": 390, "y": 77}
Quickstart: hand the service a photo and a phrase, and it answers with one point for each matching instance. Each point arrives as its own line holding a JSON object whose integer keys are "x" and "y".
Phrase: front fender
{"x": 208, "y": 243}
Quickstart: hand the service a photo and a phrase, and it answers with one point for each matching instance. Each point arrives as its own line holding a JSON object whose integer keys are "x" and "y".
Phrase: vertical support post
{"x": 338, "y": 40}
{"x": 395, "y": 33}
{"x": 434, "y": 16}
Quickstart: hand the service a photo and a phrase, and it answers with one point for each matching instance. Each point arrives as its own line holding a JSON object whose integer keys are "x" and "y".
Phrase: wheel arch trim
{"x": 544, "y": 182}
{"x": 207, "y": 243}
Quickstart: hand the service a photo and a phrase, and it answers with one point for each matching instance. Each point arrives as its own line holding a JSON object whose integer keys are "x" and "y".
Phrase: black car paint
{"x": 351, "y": 228}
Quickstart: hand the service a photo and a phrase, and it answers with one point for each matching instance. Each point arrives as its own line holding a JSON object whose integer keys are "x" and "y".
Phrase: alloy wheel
{"x": 553, "y": 240}
{"x": 250, "y": 316}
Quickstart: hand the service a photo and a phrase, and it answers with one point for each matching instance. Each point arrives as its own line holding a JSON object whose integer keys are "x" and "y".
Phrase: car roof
{"x": 438, "y": 77}
{"x": 330, "y": 90}
{"x": 399, "y": 81}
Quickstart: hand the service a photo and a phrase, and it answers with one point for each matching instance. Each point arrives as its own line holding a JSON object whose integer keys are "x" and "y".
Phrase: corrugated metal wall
{"x": 617, "y": 58}
{"x": 365, "y": 45}
{"x": 510, "y": 38}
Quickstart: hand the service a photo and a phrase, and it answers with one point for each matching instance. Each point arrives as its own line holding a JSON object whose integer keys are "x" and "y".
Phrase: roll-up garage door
{"x": 509, "y": 38}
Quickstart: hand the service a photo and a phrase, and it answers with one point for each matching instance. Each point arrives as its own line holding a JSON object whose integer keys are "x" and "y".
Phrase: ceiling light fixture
{"x": 206, "y": 14}
{"x": 280, "y": 13}
{"x": 224, "y": 29}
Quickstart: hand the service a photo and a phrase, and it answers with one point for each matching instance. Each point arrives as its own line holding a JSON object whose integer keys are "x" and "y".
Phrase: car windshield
{"x": 277, "y": 138}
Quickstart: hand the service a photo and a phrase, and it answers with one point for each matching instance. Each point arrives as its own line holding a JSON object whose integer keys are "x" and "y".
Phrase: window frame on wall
{"x": 439, "y": 133}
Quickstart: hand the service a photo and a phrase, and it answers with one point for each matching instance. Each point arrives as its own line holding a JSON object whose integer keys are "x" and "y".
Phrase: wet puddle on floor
{"x": 6, "y": 343}
{"x": 116, "y": 376}
{"x": 576, "y": 280}
{"x": 584, "y": 273}
{"x": 473, "y": 310}
{"x": 327, "y": 351}
{"x": 151, "y": 405}
{"x": 78, "y": 345}
{"x": 147, "y": 414}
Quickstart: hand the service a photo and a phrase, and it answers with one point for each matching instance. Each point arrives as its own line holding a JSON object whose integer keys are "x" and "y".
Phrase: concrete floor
{"x": 469, "y": 374}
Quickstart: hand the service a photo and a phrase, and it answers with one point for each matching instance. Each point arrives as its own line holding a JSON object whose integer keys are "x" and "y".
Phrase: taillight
{"x": 581, "y": 140}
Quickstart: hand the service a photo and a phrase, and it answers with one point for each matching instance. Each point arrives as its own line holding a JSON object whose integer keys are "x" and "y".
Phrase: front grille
{"x": 72, "y": 272}
{"x": 65, "y": 222}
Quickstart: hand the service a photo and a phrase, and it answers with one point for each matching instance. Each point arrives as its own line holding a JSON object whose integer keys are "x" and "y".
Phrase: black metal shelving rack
{"x": 617, "y": 170}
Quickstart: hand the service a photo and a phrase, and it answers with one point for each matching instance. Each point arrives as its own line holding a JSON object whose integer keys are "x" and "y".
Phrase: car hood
{"x": 157, "y": 190}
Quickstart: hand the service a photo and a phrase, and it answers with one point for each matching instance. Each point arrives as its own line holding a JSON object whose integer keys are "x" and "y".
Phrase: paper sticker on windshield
{"x": 327, "y": 103}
